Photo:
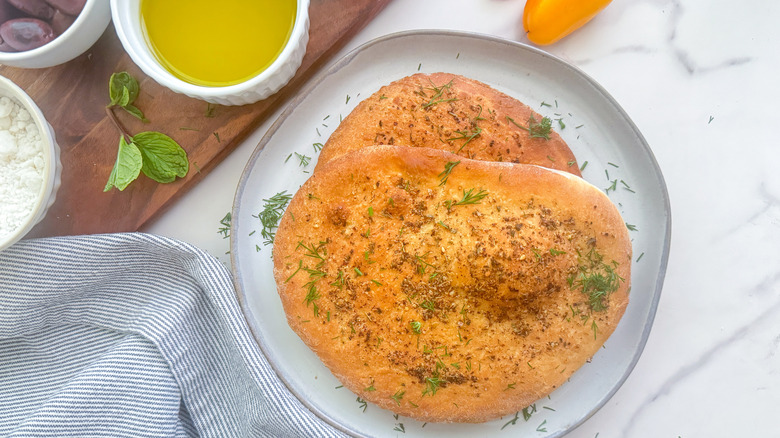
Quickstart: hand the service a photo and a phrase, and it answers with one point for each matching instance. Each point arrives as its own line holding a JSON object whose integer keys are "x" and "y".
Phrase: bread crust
{"x": 467, "y": 117}
{"x": 449, "y": 311}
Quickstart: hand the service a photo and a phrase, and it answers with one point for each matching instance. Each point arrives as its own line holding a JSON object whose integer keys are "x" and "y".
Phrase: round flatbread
{"x": 452, "y": 113}
{"x": 449, "y": 289}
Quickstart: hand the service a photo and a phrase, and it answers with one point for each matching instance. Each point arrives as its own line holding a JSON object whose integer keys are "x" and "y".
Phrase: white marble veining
{"x": 700, "y": 80}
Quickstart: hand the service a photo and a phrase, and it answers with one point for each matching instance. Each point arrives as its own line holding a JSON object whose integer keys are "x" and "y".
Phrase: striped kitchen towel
{"x": 132, "y": 335}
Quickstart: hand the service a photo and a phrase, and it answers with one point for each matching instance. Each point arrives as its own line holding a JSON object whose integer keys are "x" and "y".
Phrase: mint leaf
{"x": 163, "y": 158}
{"x": 127, "y": 166}
{"x": 136, "y": 112}
{"x": 116, "y": 88}
{"x": 125, "y": 99}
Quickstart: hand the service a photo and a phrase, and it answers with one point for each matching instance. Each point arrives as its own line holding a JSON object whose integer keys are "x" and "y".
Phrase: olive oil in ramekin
{"x": 217, "y": 43}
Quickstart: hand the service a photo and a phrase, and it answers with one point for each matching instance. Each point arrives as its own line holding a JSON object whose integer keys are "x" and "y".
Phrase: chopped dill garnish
{"x": 541, "y": 427}
{"x": 216, "y": 135}
{"x": 468, "y": 135}
{"x": 595, "y": 279}
{"x": 612, "y": 187}
{"x": 536, "y": 129}
{"x": 416, "y": 326}
{"x": 362, "y": 403}
{"x": 584, "y": 165}
{"x": 447, "y": 170}
{"x": 438, "y": 91}
{"x": 224, "y": 230}
{"x": 210, "y": 109}
{"x": 398, "y": 396}
{"x": 640, "y": 257}
{"x": 347, "y": 101}
{"x": 316, "y": 273}
{"x": 317, "y": 146}
{"x": 428, "y": 305}
{"x": 631, "y": 227}
{"x": 400, "y": 428}
{"x": 513, "y": 421}
{"x": 422, "y": 264}
{"x": 432, "y": 384}
{"x": 529, "y": 411}
{"x": 339, "y": 283}
{"x": 469, "y": 197}
{"x": 556, "y": 252}
{"x": 613, "y": 164}
{"x": 273, "y": 209}
{"x": 626, "y": 186}
{"x": 313, "y": 251}
{"x": 311, "y": 295}
{"x": 303, "y": 159}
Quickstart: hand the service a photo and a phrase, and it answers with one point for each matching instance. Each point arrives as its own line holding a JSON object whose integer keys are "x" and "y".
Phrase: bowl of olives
{"x": 45, "y": 33}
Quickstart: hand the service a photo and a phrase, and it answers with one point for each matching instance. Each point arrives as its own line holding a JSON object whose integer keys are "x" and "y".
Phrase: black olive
{"x": 26, "y": 33}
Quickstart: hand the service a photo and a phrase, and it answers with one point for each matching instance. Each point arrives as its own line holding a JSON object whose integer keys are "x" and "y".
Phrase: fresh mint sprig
{"x": 155, "y": 154}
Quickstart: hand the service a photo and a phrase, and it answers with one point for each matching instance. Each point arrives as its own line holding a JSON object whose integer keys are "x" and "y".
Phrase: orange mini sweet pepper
{"x": 547, "y": 21}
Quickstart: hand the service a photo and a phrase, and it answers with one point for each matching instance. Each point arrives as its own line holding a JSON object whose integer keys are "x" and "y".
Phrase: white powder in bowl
{"x": 21, "y": 165}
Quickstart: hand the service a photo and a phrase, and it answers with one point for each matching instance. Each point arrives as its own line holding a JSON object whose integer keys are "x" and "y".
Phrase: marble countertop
{"x": 697, "y": 77}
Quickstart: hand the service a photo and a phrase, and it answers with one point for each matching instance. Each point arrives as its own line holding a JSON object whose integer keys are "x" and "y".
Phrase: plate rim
{"x": 319, "y": 78}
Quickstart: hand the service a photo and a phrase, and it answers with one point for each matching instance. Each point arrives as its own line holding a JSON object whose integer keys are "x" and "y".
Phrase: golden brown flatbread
{"x": 449, "y": 289}
{"x": 452, "y": 113}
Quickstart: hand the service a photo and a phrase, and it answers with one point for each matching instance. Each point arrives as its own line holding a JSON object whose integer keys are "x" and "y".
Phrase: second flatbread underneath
{"x": 452, "y": 113}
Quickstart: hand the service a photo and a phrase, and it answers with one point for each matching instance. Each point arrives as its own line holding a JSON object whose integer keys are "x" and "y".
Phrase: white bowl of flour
{"x": 29, "y": 164}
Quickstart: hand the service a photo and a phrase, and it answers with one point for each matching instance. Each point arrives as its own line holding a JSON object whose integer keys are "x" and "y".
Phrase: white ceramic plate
{"x": 597, "y": 130}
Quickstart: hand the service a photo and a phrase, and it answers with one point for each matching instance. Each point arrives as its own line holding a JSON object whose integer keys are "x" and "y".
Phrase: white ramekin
{"x": 52, "y": 165}
{"x": 127, "y": 21}
{"x": 77, "y": 39}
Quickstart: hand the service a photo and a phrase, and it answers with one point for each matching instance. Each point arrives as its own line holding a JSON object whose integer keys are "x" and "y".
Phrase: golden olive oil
{"x": 217, "y": 42}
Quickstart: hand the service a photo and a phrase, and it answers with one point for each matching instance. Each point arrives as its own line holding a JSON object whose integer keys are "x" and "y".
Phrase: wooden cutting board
{"x": 73, "y": 97}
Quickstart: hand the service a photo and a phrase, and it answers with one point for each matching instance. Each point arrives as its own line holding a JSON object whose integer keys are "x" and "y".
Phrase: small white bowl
{"x": 127, "y": 21}
{"x": 52, "y": 165}
{"x": 77, "y": 39}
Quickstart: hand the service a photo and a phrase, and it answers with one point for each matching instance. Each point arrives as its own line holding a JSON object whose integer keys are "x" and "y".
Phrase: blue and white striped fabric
{"x": 132, "y": 335}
